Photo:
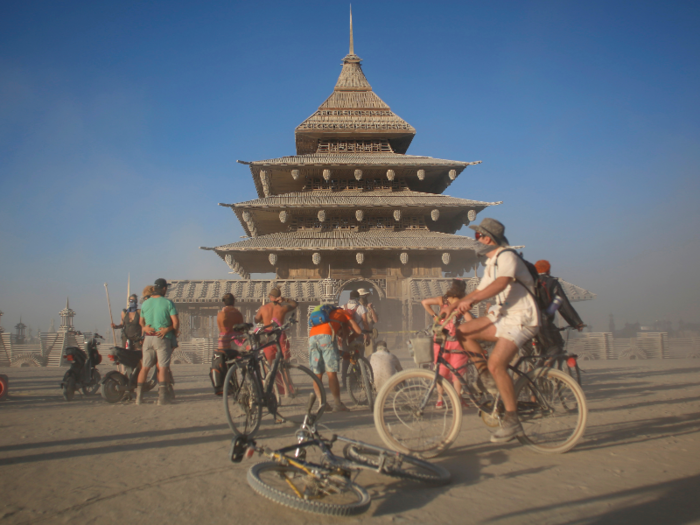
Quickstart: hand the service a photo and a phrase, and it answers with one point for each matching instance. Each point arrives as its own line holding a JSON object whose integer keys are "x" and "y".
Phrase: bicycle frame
{"x": 254, "y": 365}
{"x": 458, "y": 373}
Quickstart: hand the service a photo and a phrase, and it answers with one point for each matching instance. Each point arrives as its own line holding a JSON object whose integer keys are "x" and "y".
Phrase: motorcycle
{"x": 117, "y": 386}
{"x": 82, "y": 373}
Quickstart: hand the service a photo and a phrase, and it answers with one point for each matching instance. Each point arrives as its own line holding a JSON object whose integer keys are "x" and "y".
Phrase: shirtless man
{"x": 276, "y": 310}
{"x": 228, "y": 317}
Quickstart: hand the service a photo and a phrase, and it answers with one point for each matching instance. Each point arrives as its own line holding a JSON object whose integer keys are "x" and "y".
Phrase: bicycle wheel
{"x": 242, "y": 401}
{"x": 69, "y": 389}
{"x": 367, "y": 381}
{"x": 319, "y": 492}
{"x": 357, "y": 389}
{"x": 292, "y": 406}
{"x": 398, "y": 465}
{"x": 553, "y": 412}
{"x": 406, "y": 427}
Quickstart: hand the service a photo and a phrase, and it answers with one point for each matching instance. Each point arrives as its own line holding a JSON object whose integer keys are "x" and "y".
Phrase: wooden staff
{"x": 109, "y": 305}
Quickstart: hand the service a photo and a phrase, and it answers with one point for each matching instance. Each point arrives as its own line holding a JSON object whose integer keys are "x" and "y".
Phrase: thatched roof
{"x": 245, "y": 291}
{"x": 253, "y": 255}
{"x": 576, "y": 293}
{"x": 353, "y": 110}
{"x": 276, "y": 213}
{"x": 344, "y": 240}
{"x": 294, "y": 173}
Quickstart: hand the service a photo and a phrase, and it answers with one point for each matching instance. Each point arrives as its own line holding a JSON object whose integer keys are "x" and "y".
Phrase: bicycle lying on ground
{"x": 326, "y": 484}
{"x": 251, "y": 382}
{"x": 551, "y": 407}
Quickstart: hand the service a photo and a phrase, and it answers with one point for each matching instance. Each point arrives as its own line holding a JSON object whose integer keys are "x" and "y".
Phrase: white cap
{"x": 362, "y": 291}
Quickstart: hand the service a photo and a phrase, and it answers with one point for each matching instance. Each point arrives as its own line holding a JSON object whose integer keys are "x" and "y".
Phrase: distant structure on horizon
{"x": 48, "y": 350}
{"x": 351, "y": 209}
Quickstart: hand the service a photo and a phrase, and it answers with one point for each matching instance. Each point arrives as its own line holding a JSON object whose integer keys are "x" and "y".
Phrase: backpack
{"x": 542, "y": 299}
{"x": 321, "y": 314}
{"x": 355, "y": 315}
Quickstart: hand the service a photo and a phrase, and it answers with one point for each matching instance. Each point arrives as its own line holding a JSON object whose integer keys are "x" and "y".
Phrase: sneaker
{"x": 486, "y": 383}
{"x": 510, "y": 428}
{"x": 338, "y": 406}
{"x": 440, "y": 404}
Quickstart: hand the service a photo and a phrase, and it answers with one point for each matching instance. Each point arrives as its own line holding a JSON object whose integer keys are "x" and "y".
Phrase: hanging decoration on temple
{"x": 435, "y": 215}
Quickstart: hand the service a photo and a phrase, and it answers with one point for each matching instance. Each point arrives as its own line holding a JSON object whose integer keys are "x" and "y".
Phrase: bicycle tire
{"x": 275, "y": 387}
{"x": 292, "y": 408}
{"x": 394, "y": 467}
{"x": 403, "y": 427}
{"x": 242, "y": 401}
{"x": 554, "y": 414}
{"x": 367, "y": 381}
{"x": 343, "y": 497}
{"x": 357, "y": 387}
{"x": 69, "y": 389}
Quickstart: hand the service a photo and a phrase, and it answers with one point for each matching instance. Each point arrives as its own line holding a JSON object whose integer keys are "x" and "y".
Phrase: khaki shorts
{"x": 156, "y": 350}
{"x": 514, "y": 331}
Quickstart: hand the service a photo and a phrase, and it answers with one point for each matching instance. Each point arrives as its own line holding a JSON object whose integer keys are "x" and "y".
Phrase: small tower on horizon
{"x": 52, "y": 326}
{"x": 19, "y": 334}
{"x": 67, "y": 316}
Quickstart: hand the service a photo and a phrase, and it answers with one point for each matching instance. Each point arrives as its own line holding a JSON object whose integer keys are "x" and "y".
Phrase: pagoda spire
{"x": 352, "y": 45}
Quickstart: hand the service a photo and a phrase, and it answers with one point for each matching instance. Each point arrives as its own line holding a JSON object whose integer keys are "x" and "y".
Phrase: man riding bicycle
{"x": 550, "y": 335}
{"x": 512, "y": 321}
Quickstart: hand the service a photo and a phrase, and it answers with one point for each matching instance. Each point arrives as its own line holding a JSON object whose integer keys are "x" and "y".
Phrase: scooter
{"x": 118, "y": 386}
{"x": 82, "y": 373}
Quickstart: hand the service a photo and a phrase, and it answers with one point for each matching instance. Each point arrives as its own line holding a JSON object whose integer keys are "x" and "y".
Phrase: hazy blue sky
{"x": 121, "y": 123}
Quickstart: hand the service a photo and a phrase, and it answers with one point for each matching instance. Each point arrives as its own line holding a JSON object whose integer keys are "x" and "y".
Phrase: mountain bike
{"x": 251, "y": 383}
{"x": 326, "y": 484}
{"x": 551, "y": 407}
{"x": 360, "y": 379}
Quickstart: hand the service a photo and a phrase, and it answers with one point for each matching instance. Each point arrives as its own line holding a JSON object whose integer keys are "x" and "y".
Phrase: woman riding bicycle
{"x": 456, "y": 356}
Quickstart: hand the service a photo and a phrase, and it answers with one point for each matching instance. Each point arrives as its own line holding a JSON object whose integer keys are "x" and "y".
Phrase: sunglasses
{"x": 479, "y": 235}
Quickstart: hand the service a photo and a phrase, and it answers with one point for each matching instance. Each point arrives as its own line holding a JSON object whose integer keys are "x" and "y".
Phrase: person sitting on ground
{"x": 454, "y": 353}
{"x": 510, "y": 324}
{"x": 160, "y": 316}
{"x": 131, "y": 325}
{"x": 384, "y": 365}
{"x": 324, "y": 355}
{"x": 550, "y": 335}
{"x": 228, "y": 317}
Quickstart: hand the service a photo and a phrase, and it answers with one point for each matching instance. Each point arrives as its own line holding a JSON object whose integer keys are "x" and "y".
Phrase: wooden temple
{"x": 351, "y": 209}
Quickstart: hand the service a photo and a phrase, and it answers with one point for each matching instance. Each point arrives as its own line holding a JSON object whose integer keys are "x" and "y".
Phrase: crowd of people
{"x": 513, "y": 318}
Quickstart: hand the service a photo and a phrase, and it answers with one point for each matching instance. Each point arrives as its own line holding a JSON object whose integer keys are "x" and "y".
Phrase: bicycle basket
{"x": 422, "y": 350}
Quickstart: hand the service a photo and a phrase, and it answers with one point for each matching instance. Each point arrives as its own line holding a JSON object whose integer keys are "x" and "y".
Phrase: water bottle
{"x": 552, "y": 308}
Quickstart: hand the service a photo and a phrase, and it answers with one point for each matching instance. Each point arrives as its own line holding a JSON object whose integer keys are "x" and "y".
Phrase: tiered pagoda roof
{"x": 350, "y": 187}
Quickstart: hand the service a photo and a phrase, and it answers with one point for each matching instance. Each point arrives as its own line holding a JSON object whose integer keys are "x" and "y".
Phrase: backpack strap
{"x": 516, "y": 279}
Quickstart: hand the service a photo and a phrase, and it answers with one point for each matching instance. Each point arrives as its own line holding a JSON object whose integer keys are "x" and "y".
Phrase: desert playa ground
{"x": 90, "y": 462}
